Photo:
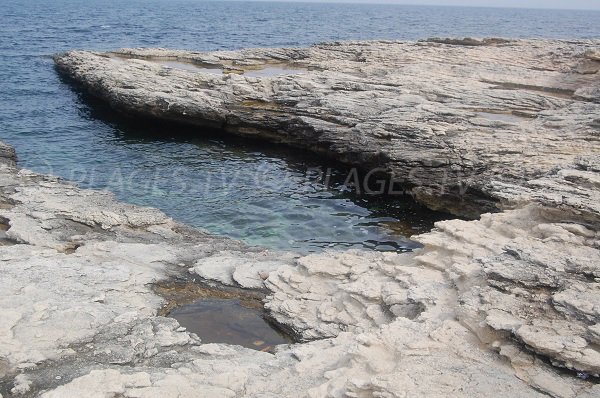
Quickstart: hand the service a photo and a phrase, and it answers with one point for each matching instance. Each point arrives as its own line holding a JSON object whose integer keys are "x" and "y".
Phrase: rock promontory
{"x": 452, "y": 120}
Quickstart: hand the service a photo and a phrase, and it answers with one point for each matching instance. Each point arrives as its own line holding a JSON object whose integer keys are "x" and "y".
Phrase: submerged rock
{"x": 418, "y": 110}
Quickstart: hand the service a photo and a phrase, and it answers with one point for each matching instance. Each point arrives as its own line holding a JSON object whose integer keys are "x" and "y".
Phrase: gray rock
{"x": 80, "y": 314}
{"x": 501, "y": 305}
{"x": 449, "y": 118}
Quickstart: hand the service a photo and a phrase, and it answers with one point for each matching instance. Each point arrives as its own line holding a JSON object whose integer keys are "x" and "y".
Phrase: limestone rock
{"x": 446, "y": 117}
{"x": 78, "y": 303}
{"x": 505, "y": 305}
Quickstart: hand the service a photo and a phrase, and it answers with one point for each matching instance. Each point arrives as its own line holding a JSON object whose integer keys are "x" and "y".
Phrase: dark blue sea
{"x": 263, "y": 194}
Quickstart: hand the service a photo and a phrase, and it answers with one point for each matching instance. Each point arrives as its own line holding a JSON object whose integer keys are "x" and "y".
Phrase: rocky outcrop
{"x": 524, "y": 281}
{"x": 506, "y": 305}
{"x": 450, "y": 119}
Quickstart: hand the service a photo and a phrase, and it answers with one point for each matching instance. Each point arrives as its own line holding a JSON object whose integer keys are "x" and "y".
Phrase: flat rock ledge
{"x": 451, "y": 119}
{"x": 506, "y": 305}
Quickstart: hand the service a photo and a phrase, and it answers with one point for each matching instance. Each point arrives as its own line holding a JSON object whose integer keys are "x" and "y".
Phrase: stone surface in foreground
{"x": 479, "y": 311}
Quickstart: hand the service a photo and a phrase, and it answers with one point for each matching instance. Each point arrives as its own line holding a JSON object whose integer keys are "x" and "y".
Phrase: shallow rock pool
{"x": 231, "y": 321}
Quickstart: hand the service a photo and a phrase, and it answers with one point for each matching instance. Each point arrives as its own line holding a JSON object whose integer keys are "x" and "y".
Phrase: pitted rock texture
{"x": 451, "y": 119}
{"x": 499, "y": 306}
{"x": 503, "y": 306}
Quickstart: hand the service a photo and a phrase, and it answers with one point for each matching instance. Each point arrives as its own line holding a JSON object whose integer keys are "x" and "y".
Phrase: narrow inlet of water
{"x": 263, "y": 194}
{"x": 266, "y": 195}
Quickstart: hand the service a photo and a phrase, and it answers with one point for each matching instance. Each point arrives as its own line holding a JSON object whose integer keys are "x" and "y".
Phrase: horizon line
{"x": 396, "y": 3}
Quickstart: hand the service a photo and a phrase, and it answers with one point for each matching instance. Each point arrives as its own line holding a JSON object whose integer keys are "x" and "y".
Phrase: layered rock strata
{"x": 506, "y": 305}
{"x": 447, "y": 118}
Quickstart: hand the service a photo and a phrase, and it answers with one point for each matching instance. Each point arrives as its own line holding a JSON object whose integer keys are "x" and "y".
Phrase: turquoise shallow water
{"x": 263, "y": 194}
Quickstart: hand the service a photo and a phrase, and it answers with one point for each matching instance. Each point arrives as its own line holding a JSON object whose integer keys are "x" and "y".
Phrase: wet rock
{"x": 468, "y": 41}
{"x": 8, "y": 156}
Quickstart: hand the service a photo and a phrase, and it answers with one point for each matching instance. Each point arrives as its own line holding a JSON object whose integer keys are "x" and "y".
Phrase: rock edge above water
{"x": 454, "y": 120}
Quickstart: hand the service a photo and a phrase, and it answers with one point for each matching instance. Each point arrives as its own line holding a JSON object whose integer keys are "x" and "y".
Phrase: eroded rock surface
{"x": 447, "y": 117}
{"x": 498, "y": 306}
{"x": 503, "y": 306}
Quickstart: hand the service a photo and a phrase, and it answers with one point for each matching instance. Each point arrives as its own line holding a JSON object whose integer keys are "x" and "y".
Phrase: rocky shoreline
{"x": 506, "y": 305}
{"x": 450, "y": 119}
